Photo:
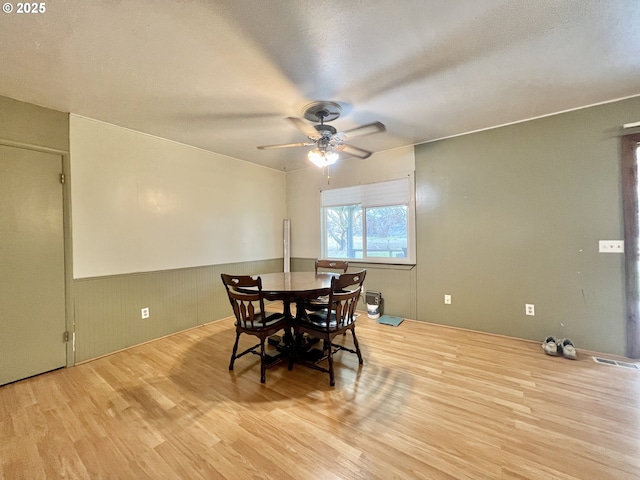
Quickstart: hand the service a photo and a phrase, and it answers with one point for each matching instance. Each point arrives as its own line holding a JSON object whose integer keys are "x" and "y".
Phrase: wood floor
{"x": 430, "y": 402}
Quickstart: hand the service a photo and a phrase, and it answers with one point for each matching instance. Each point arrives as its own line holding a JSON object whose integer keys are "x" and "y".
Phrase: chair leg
{"x": 263, "y": 365}
{"x": 355, "y": 342}
{"x": 332, "y": 380}
{"x": 235, "y": 350}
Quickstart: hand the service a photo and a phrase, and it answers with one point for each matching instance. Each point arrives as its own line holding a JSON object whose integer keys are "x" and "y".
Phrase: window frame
{"x": 351, "y": 193}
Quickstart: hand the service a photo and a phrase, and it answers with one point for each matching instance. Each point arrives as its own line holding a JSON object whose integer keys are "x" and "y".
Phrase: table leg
{"x": 284, "y": 344}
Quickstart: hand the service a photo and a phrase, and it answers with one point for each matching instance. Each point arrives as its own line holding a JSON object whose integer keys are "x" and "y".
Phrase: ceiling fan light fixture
{"x": 322, "y": 158}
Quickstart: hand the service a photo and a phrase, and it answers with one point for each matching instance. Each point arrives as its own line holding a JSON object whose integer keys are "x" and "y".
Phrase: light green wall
{"x": 513, "y": 215}
{"x": 33, "y": 126}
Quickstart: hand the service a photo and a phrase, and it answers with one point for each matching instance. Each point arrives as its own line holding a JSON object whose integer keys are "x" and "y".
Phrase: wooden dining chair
{"x": 251, "y": 317}
{"x": 339, "y": 266}
{"x": 326, "y": 324}
{"x": 332, "y": 265}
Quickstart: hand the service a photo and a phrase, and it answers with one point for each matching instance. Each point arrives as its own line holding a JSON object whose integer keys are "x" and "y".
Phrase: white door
{"x": 32, "y": 290}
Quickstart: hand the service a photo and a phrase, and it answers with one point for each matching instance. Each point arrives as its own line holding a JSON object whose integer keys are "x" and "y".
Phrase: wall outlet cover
{"x": 611, "y": 246}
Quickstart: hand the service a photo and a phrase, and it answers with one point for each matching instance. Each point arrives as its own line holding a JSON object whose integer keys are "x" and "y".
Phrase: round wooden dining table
{"x": 295, "y": 287}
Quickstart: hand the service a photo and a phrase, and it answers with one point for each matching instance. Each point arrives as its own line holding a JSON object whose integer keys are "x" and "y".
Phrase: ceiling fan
{"x": 326, "y": 139}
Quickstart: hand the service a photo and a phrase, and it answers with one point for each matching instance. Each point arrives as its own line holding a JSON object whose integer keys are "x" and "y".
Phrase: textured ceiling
{"x": 222, "y": 75}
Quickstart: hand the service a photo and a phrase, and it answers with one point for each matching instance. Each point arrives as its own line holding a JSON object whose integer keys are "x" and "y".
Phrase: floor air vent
{"x": 616, "y": 363}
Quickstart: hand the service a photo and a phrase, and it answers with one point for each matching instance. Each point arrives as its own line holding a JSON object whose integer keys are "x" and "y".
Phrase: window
{"x": 372, "y": 223}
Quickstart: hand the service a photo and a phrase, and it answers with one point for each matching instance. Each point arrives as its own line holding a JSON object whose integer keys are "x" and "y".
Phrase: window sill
{"x": 380, "y": 265}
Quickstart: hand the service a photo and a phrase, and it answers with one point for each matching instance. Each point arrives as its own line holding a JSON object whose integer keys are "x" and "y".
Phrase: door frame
{"x": 629, "y": 174}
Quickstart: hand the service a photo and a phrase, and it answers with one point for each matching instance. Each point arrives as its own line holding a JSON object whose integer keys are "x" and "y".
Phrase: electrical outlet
{"x": 144, "y": 312}
{"x": 529, "y": 309}
{"x": 447, "y": 299}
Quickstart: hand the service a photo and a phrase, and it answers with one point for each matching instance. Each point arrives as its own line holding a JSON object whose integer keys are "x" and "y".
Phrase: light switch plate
{"x": 611, "y": 246}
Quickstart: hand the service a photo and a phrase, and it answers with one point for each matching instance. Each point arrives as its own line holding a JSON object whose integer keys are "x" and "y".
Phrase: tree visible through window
{"x": 387, "y": 231}
{"x": 369, "y": 222}
{"x": 344, "y": 231}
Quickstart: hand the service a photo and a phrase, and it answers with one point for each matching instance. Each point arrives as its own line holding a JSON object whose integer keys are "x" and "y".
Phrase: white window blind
{"x": 393, "y": 192}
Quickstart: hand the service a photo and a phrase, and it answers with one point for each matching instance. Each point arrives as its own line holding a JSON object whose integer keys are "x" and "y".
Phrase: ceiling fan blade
{"x": 354, "y": 151}
{"x": 375, "y": 127}
{"x": 286, "y": 145}
{"x": 304, "y": 127}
